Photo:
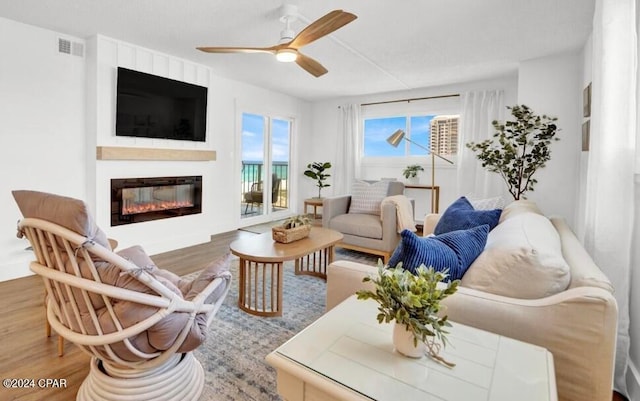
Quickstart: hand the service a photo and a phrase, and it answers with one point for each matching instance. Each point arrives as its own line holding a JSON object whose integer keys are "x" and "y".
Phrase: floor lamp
{"x": 395, "y": 139}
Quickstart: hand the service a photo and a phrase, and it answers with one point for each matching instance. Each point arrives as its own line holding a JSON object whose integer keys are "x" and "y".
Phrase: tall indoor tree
{"x": 518, "y": 148}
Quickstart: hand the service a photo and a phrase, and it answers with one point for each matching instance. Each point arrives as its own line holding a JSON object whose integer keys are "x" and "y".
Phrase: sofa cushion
{"x": 522, "y": 259}
{"x": 455, "y": 250}
{"x": 366, "y": 197}
{"x": 461, "y": 215}
{"x": 360, "y": 225}
{"x": 518, "y": 207}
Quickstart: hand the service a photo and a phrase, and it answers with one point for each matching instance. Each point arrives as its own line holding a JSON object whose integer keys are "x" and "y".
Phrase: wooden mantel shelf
{"x": 133, "y": 153}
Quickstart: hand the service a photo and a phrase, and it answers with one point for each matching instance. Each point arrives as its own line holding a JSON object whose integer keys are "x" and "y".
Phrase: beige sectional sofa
{"x": 570, "y": 312}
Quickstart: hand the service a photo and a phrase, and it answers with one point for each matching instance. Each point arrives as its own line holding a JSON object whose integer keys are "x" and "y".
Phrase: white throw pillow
{"x": 366, "y": 197}
{"x": 488, "y": 203}
{"x": 522, "y": 259}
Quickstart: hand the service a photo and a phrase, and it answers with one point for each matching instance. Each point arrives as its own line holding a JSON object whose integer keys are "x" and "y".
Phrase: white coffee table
{"x": 347, "y": 355}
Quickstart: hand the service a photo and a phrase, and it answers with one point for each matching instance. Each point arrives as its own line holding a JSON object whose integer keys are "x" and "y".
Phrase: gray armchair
{"x": 364, "y": 232}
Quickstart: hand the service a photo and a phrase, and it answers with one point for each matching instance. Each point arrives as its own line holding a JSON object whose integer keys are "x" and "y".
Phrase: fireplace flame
{"x": 146, "y": 207}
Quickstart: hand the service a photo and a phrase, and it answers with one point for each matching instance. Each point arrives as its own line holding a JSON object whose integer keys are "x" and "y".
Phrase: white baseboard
{"x": 16, "y": 269}
{"x": 633, "y": 382}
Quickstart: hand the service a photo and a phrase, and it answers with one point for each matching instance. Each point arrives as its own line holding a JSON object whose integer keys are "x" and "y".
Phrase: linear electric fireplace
{"x": 134, "y": 200}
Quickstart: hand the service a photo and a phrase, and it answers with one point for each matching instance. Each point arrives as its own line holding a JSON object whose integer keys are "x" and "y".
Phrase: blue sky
{"x": 377, "y": 130}
{"x": 253, "y": 129}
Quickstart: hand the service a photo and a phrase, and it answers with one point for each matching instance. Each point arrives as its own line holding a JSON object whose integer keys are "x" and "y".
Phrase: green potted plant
{"x": 297, "y": 221}
{"x": 518, "y": 148}
{"x": 413, "y": 302}
{"x": 411, "y": 172}
{"x": 317, "y": 171}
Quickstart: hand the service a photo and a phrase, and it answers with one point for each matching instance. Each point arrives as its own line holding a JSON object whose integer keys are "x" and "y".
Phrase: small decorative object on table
{"x": 412, "y": 171}
{"x": 413, "y": 301}
{"x": 292, "y": 229}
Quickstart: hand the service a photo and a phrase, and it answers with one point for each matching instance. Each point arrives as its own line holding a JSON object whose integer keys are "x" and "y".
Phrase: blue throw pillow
{"x": 461, "y": 215}
{"x": 455, "y": 250}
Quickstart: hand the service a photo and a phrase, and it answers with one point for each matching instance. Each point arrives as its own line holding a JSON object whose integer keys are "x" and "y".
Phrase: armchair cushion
{"x": 461, "y": 215}
{"x": 162, "y": 335}
{"x": 455, "y": 250}
{"x": 366, "y": 197}
{"x": 360, "y": 225}
{"x": 69, "y": 213}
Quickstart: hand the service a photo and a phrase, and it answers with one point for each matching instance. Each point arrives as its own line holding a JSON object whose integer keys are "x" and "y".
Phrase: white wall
{"x": 42, "y": 138}
{"x": 633, "y": 375}
{"x": 56, "y": 108}
{"x": 553, "y": 86}
{"x": 321, "y": 146}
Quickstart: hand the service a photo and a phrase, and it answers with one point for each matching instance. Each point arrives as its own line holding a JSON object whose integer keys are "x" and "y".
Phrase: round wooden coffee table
{"x": 261, "y": 266}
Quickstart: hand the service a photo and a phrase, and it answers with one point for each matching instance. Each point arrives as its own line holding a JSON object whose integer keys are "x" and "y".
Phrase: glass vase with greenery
{"x": 518, "y": 148}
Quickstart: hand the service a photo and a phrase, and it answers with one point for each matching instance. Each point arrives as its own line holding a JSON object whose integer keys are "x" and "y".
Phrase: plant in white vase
{"x": 411, "y": 172}
{"x": 413, "y": 302}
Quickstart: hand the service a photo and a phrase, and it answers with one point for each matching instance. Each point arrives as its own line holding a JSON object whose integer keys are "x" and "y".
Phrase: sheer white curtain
{"x": 609, "y": 203}
{"x": 347, "y": 163}
{"x": 479, "y": 109}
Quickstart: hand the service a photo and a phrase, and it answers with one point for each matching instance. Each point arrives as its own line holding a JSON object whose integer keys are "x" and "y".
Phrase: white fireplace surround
{"x": 104, "y": 55}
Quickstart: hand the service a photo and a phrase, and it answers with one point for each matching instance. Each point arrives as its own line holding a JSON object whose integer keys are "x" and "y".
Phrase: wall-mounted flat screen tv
{"x": 150, "y": 106}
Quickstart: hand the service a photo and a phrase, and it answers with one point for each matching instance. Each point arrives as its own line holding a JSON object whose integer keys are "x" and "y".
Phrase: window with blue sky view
{"x": 253, "y": 138}
{"x": 417, "y": 129}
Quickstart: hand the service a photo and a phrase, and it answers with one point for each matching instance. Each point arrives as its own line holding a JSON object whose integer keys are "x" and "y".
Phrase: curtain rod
{"x": 410, "y": 99}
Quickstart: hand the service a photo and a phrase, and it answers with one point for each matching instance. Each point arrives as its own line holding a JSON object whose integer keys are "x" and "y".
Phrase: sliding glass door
{"x": 265, "y": 150}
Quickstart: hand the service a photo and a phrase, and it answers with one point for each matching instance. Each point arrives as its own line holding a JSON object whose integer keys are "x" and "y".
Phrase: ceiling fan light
{"x": 286, "y": 55}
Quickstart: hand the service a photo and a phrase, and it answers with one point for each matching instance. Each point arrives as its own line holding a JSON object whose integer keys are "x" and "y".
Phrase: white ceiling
{"x": 393, "y": 45}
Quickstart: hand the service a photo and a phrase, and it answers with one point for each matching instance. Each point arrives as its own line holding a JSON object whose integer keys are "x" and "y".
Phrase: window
{"x": 433, "y": 131}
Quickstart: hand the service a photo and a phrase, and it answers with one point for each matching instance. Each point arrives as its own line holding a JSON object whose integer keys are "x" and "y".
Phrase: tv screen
{"x": 150, "y": 106}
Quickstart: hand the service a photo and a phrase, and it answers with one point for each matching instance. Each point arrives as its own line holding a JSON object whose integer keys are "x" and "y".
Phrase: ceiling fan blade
{"x": 270, "y": 50}
{"x": 310, "y": 65}
{"x": 325, "y": 25}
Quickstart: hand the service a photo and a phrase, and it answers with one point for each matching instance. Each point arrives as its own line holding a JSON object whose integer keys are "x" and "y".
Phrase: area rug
{"x": 233, "y": 356}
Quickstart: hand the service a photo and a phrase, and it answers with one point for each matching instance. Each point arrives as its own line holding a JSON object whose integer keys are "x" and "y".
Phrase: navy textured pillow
{"x": 461, "y": 215}
{"x": 455, "y": 250}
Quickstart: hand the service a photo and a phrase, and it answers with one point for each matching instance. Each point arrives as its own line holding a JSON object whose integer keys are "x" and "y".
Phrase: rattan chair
{"x": 255, "y": 194}
{"x": 113, "y": 323}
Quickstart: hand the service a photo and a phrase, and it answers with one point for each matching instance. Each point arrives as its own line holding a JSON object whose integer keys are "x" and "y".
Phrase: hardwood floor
{"x": 25, "y": 351}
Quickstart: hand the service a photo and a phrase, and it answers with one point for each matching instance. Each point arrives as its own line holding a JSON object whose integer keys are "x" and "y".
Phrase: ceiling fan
{"x": 288, "y": 48}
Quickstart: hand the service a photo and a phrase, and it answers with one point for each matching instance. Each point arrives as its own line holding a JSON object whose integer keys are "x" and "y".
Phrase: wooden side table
{"x": 435, "y": 205}
{"x": 313, "y": 202}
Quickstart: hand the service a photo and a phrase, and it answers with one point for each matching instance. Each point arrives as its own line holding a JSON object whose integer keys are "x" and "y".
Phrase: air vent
{"x": 68, "y": 47}
{"x": 64, "y": 46}
{"x": 77, "y": 49}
